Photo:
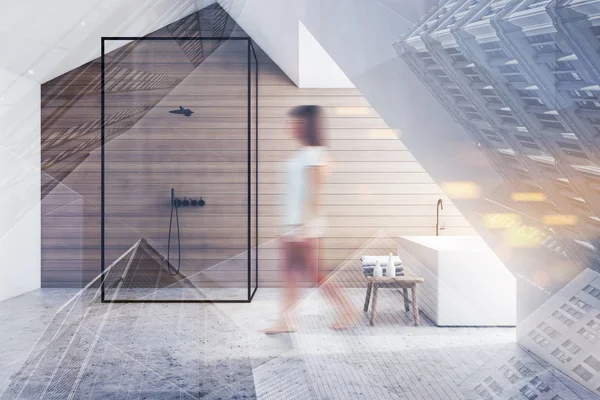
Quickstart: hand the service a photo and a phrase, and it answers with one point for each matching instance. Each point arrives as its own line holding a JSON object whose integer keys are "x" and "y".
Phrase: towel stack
{"x": 368, "y": 264}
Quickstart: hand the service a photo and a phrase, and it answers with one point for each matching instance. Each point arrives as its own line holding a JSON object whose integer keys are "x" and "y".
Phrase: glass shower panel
{"x": 254, "y": 213}
{"x": 177, "y": 170}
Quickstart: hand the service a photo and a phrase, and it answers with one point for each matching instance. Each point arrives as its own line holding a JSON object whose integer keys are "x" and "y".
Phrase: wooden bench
{"x": 404, "y": 282}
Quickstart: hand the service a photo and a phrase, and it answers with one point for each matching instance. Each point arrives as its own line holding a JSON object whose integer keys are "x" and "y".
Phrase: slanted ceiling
{"x": 45, "y": 39}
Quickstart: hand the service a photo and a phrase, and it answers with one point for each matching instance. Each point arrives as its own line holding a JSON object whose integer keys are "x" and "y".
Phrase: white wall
{"x": 19, "y": 186}
{"x": 40, "y": 40}
{"x": 316, "y": 67}
{"x": 358, "y": 36}
{"x": 273, "y": 25}
{"x": 287, "y": 32}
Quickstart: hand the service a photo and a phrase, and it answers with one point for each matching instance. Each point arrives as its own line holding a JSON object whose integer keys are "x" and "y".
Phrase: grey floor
{"x": 61, "y": 344}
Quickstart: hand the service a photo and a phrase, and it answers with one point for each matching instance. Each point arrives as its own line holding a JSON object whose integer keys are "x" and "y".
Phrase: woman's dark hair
{"x": 313, "y": 130}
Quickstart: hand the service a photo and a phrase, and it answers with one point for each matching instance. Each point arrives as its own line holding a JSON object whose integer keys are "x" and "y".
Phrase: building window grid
{"x": 583, "y": 95}
{"x": 493, "y": 136}
{"x": 562, "y": 318}
{"x": 587, "y": 334}
{"x": 549, "y": 121}
{"x": 456, "y": 55}
{"x": 564, "y": 71}
{"x": 596, "y": 123}
{"x": 580, "y": 303}
{"x": 527, "y": 142}
{"x": 593, "y": 291}
{"x": 583, "y": 373}
{"x": 474, "y": 116}
{"x": 507, "y": 117}
{"x": 544, "y": 43}
{"x": 571, "y": 347}
{"x": 512, "y": 73}
{"x": 539, "y": 385}
{"x": 519, "y": 366}
{"x": 493, "y": 100}
{"x": 594, "y": 325}
{"x": 584, "y": 102}
{"x": 528, "y": 392}
{"x": 593, "y": 362}
{"x": 467, "y": 108}
{"x": 589, "y": 105}
{"x": 561, "y": 355}
{"x": 472, "y": 74}
{"x": 493, "y": 385}
{"x": 531, "y": 98}
{"x": 511, "y": 68}
{"x": 425, "y": 58}
{"x": 493, "y": 50}
{"x": 515, "y": 77}
{"x": 534, "y": 102}
{"x": 568, "y": 77}
{"x": 548, "y": 330}
{"x": 523, "y": 138}
{"x": 509, "y": 374}
{"x": 483, "y": 393}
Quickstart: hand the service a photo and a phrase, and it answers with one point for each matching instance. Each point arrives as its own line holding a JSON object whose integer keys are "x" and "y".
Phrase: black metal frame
{"x": 251, "y": 53}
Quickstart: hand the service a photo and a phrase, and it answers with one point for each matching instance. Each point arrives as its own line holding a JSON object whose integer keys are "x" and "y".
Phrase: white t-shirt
{"x": 296, "y": 188}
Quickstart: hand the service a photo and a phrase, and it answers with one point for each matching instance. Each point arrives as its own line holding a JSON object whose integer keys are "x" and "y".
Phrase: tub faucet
{"x": 440, "y": 204}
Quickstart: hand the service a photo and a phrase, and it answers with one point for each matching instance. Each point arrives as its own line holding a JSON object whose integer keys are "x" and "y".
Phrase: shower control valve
{"x": 185, "y": 202}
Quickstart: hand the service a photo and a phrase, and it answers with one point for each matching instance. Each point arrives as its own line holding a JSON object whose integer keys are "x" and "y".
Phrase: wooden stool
{"x": 405, "y": 282}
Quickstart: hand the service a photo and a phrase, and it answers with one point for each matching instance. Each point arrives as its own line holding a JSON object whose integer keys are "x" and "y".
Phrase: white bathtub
{"x": 465, "y": 282}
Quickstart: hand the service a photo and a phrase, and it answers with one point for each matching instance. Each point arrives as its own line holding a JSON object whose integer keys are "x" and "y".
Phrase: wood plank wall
{"x": 71, "y": 136}
{"x": 375, "y": 186}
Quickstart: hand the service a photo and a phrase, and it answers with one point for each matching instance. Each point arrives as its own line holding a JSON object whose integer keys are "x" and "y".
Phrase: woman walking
{"x": 303, "y": 224}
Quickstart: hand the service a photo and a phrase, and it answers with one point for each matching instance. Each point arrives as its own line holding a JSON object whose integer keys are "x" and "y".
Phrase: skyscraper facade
{"x": 523, "y": 79}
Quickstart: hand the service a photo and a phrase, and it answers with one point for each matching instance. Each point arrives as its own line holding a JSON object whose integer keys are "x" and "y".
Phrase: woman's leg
{"x": 289, "y": 251}
{"x": 347, "y": 314}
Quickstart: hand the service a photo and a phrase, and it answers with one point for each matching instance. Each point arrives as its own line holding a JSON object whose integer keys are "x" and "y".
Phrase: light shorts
{"x": 312, "y": 229}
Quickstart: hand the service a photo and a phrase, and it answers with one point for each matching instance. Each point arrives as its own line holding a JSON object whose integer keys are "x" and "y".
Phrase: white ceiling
{"x": 42, "y": 39}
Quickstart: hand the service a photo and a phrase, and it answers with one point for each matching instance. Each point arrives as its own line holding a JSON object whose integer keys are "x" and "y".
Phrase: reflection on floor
{"x": 85, "y": 349}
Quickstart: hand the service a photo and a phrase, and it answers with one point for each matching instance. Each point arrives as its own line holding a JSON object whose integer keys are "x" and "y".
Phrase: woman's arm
{"x": 316, "y": 177}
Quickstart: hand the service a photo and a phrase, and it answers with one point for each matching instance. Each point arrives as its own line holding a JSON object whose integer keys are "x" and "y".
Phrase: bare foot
{"x": 281, "y": 327}
{"x": 345, "y": 322}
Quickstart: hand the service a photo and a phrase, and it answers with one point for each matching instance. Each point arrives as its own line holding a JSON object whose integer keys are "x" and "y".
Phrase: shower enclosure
{"x": 179, "y": 187}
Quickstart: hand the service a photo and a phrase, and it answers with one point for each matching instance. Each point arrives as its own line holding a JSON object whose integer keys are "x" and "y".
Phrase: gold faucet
{"x": 440, "y": 204}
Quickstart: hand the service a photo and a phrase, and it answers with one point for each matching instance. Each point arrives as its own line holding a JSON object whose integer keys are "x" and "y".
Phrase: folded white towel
{"x": 368, "y": 271}
{"x": 368, "y": 261}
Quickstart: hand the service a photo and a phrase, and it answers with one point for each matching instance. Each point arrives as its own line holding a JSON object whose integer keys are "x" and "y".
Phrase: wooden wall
{"x": 376, "y": 185}
{"x": 137, "y": 79}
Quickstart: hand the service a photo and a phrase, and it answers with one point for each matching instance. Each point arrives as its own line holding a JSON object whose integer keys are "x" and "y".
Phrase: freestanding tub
{"x": 465, "y": 282}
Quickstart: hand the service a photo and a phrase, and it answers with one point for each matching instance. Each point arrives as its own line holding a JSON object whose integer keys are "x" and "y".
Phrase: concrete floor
{"x": 64, "y": 344}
